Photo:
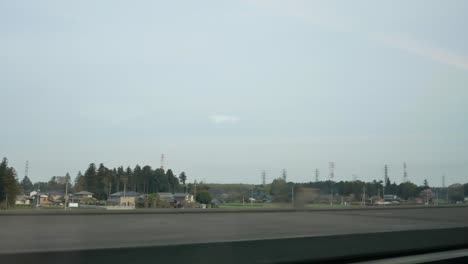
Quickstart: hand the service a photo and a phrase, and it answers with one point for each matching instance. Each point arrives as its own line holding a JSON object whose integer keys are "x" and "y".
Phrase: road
{"x": 35, "y": 233}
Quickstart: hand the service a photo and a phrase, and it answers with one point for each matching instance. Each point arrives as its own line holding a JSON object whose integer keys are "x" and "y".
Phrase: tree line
{"x": 281, "y": 190}
{"x": 103, "y": 181}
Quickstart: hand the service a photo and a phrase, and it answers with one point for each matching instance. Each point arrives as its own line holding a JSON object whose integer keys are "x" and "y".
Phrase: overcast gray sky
{"x": 226, "y": 89}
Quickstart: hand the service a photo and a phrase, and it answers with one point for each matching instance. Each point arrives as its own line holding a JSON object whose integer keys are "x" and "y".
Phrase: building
{"x": 23, "y": 200}
{"x": 57, "y": 196}
{"x": 123, "y": 198}
{"x": 166, "y": 196}
{"x": 183, "y": 197}
{"x": 391, "y": 198}
{"x": 41, "y": 199}
{"x": 82, "y": 195}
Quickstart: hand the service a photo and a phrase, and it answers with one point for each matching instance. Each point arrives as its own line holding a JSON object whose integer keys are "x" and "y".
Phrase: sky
{"x": 227, "y": 89}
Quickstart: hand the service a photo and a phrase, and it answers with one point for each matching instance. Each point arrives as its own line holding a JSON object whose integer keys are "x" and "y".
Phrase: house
{"x": 391, "y": 198}
{"x": 183, "y": 197}
{"x": 124, "y": 198}
{"x": 166, "y": 196}
{"x": 23, "y": 199}
{"x": 57, "y": 195}
{"x": 82, "y": 195}
{"x": 41, "y": 199}
{"x": 426, "y": 195}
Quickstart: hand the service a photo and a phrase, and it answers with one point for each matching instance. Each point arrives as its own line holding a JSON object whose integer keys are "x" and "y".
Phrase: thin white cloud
{"x": 409, "y": 44}
{"x": 315, "y": 13}
{"x": 223, "y": 119}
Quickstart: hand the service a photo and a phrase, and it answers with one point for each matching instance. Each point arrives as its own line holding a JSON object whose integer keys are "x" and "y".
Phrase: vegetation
{"x": 103, "y": 181}
{"x": 9, "y": 186}
{"x": 203, "y": 197}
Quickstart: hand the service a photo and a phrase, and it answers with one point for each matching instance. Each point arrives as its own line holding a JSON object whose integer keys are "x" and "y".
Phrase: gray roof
{"x": 83, "y": 193}
{"x": 127, "y": 194}
{"x": 180, "y": 194}
{"x": 57, "y": 193}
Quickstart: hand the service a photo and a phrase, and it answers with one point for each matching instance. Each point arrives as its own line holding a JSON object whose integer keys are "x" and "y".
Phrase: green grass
{"x": 254, "y": 205}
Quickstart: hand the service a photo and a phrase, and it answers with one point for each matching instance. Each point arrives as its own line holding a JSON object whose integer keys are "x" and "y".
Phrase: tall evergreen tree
{"x": 146, "y": 176}
{"x": 183, "y": 177}
{"x": 173, "y": 181}
{"x": 91, "y": 178}
{"x": 136, "y": 178}
{"x": 426, "y": 184}
{"x": 161, "y": 181}
{"x": 103, "y": 180}
{"x": 127, "y": 179}
{"x": 26, "y": 185}
{"x": 80, "y": 182}
{"x": 3, "y": 172}
{"x": 9, "y": 185}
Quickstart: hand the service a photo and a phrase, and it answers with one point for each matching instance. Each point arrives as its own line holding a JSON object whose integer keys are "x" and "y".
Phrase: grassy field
{"x": 253, "y": 205}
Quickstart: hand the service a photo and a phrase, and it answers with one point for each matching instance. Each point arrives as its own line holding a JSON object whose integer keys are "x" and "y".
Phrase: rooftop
{"x": 83, "y": 193}
{"x": 126, "y": 194}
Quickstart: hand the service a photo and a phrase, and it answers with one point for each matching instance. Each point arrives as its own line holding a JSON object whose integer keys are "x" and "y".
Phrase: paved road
{"x": 30, "y": 233}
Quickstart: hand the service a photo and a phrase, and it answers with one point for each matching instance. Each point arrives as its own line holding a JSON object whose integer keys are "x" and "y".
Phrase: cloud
{"x": 409, "y": 44}
{"x": 224, "y": 119}
{"x": 315, "y": 13}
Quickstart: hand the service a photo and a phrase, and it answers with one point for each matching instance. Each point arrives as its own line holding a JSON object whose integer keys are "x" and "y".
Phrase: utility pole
{"x": 66, "y": 194}
{"x": 195, "y": 190}
{"x": 38, "y": 195}
{"x": 447, "y": 189}
{"x": 292, "y": 195}
{"x": 331, "y": 166}
{"x": 364, "y": 195}
{"x": 385, "y": 179}
{"x": 316, "y": 175}
{"x": 251, "y": 198}
{"x": 405, "y": 173}
{"x": 263, "y": 178}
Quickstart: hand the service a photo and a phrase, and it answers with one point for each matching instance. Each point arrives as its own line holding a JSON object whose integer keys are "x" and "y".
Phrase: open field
{"x": 44, "y": 231}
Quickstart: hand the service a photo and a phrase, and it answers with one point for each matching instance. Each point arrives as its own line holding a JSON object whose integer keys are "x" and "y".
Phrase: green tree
{"x": 127, "y": 179}
{"x": 147, "y": 178}
{"x": 426, "y": 184}
{"x": 161, "y": 181}
{"x": 91, "y": 180}
{"x": 407, "y": 190}
{"x": 173, "y": 181}
{"x": 9, "y": 185}
{"x": 183, "y": 180}
{"x": 280, "y": 190}
{"x": 135, "y": 180}
{"x": 203, "y": 197}
{"x": 80, "y": 182}
{"x": 102, "y": 182}
{"x": 26, "y": 185}
{"x": 456, "y": 192}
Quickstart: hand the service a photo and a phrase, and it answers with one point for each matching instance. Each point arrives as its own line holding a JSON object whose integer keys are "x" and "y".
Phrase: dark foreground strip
{"x": 325, "y": 249}
{"x": 102, "y": 211}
